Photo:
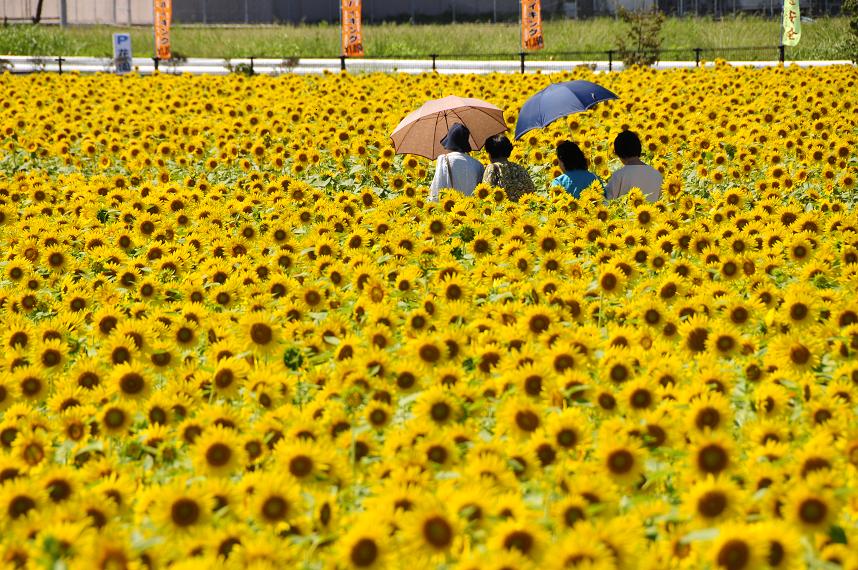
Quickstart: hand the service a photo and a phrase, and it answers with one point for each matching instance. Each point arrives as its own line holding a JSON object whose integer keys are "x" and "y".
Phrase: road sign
{"x": 122, "y": 52}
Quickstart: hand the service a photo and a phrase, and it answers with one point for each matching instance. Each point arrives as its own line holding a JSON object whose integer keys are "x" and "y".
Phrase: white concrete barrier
{"x": 202, "y": 66}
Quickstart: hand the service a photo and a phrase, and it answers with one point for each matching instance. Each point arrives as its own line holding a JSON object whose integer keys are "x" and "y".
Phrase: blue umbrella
{"x": 559, "y": 100}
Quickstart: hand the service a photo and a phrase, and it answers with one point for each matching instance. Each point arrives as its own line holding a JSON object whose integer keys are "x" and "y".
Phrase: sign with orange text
{"x": 792, "y": 23}
{"x": 352, "y": 35}
{"x": 531, "y": 25}
{"x": 163, "y": 19}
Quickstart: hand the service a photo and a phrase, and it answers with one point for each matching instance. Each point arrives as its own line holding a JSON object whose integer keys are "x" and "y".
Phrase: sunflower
{"x": 262, "y": 333}
{"x": 737, "y": 547}
{"x": 130, "y": 381}
{"x": 580, "y": 549}
{"x": 800, "y": 306}
{"x": 711, "y": 454}
{"x": 518, "y": 534}
{"x": 640, "y": 395}
{"x": 364, "y": 546}
{"x": 119, "y": 349}
{"x": 709, "y": 412}
{"x": 571, "y": 510}
{"x": 180, "y": 507}
{"x": 115, "y": 418}
{"x": 427, "y": 349}
{"x": 771, "y": 399}
{"x": 378, "y": 414}
{"x": 432, "y": 533}
{"x": 218, "y": 452}
{"x": 230, "y": 376}
{"x": 8, "y": 391}
{"x": 611, "y": 281}
{"x": 618, "y": 366}
{"x": 569, "y": 429}
{"x": 51, "y": 354}
{"x": 713, "y": 500}
{"x": 695, "y": 333}
{"x": 21, "y": 499}
{"x": 275, "y": 500}
{"x": 303, "y": 460}
{"x": 621, "y": 458}
{"x": 796, "y": 352}
{"x": 30, "y": 383}
{"x": 470, "y": 501}
{"x": 437, "y": 405}
{"x": 723, "y": 339}
{"x": 31, "y": 448}
{"x": 519, "y": 417}
{"x": 61, "y": 484}
{"x": 491, "y": 471}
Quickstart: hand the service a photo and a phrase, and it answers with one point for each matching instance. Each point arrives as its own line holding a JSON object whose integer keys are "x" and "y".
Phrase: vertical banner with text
{"x": 792, "y": 23}
{"x": 163, "y": 19}
{"x": 531, "y": 25}
{"x": 351, "y": 28}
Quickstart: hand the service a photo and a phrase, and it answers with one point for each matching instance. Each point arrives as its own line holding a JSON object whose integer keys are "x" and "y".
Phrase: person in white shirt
{"x": 456, "y": 169}
{"x": 634, "y": 173}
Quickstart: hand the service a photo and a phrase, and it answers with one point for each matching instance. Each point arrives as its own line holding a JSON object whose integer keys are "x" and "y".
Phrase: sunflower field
{"x": 235, "y": 334}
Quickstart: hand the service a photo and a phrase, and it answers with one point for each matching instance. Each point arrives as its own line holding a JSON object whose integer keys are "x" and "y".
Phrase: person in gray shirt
{"x": 634, "y": 173}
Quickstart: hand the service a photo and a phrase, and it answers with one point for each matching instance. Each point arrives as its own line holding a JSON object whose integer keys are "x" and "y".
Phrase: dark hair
{"x": 571, "y": 156}
{"x": 498, "y": 146}
{"x": 627, "y": 145}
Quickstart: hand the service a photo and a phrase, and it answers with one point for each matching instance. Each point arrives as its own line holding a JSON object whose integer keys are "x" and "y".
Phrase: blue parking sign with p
{"x": 122, "y": 53}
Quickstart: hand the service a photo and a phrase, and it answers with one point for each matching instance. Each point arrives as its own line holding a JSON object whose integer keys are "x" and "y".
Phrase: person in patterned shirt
{"x": 504, "y": 174}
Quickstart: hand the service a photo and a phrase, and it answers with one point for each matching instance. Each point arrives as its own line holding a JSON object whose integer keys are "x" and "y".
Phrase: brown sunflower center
{"x": 301, "y": 466}
{"x": 364, "y": 553}
{"x": 812, "y": 511}
{"x": 438, "y": 532}
{"x": 527, "y": 420}
{"x": 131, "y": 383}
{"x": 275, "y": 508}
{"x": 734, "y": 555}
{"x": 712, "y": 504}
{"x": 185, "y": 512}
{"x": 218, "y": 454}
{"x": 712, "y": 458}
{"x": 620, "y": 461}
{"x": 261, "y": 334}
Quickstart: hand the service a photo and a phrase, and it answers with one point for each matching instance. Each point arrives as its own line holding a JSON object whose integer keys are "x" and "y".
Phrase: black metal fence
{"x": 529, "y": 60}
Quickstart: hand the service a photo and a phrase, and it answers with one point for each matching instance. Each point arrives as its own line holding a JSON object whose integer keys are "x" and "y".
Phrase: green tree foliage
{"x": 641, "y": 43}
{"x": 850, "y": 8}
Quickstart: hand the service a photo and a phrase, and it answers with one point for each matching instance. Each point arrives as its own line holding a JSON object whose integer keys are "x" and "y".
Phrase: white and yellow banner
{"x": 792, "y": 23}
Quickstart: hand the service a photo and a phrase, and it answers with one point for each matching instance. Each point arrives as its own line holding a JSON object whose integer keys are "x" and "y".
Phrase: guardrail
{"x": 435, "y": 63}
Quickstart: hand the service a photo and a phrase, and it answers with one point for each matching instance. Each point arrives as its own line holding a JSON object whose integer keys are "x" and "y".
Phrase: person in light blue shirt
{"x": 575, "y": 178}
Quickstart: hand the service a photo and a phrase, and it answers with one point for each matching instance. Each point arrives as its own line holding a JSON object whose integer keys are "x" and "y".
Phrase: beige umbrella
{"x": 421, "y": 132}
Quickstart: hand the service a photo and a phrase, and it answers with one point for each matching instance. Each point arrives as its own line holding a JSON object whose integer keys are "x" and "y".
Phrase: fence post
{"x": 781, "y": 53}
{"x": 610, "y": 60}
{"x": 156, "y": 61}
{"x": 522, "y": 55}
{"x": 60, "y": 61}
{"x": 252, "y": 71}
{"x": 342, "y": 63}
{"x": 697, "y": 57}
{"x": 434, "y": 56}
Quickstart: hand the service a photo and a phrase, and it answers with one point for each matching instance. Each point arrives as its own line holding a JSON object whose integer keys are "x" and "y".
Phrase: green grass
{"x": 822, "y": 39}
